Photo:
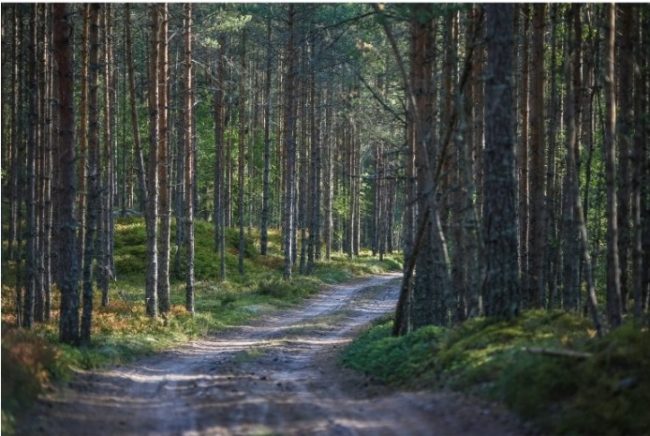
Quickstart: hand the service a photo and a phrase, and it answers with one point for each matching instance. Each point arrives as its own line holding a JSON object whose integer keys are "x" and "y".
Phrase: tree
{"x": 163, "y": 166}
{"x": 501, "y": 286}
{"x": 537, "y": 231}
{"x": 613, "y": 267}
{"x": 66, "y": 160}
{"x": 264, "y": 221}
{"x": 92, "y": 175}
{"x": 189, "y": 157}
{"x": 151, "y": 291}
{"x": 139, "y": 158}
{"x": 290, "y": 147}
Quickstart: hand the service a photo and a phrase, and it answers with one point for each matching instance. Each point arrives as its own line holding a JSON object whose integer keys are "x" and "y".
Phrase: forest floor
{"x": 280, "y": 374}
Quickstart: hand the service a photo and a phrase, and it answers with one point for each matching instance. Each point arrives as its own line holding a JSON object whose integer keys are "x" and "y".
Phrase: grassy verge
{"x": 607, "y": 393}
{"x": 32, "y": 360}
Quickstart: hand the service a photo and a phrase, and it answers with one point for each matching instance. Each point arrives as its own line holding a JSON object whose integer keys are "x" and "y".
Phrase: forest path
{"x": 276, "y": 376}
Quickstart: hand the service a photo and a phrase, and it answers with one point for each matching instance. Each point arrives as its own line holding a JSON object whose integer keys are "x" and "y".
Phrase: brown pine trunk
{"x": 92, "y": 175}
{"x": 66, "y": 161}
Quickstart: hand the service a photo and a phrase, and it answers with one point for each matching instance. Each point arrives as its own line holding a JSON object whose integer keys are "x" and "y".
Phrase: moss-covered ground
{"x": 605, "y": 394}
{"x": 32, "y": 360}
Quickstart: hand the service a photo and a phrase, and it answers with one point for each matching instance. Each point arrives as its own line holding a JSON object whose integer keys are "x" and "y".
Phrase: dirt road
{"x": 277, "y": 376}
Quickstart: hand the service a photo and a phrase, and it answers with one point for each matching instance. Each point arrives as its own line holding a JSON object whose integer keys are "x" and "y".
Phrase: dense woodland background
{"x": 504, "y": 149}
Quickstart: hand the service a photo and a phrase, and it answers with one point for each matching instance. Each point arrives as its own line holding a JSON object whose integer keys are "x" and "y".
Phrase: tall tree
{"x": 501, "y": 286}
{"x": 189, "y": 157}
{"x": 151, "y": 291}
{"x": 92, "y": 175}
{"x": 613, "y": 267}
{"x": 164, "y": 166}
{"x": 66, "y": 161}
{"x": 624, "y": 137}
{"x": 241, "y": 156}
{"x": 139, "y": 157}
{"x": 290, "y": 146}
{"x": 537, "y": 231}
{"x": 264, "y": 222}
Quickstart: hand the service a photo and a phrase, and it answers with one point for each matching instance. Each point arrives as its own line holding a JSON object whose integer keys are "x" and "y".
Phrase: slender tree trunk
{"x": 241, "y": 158}
{"x": 522, "y": 154}
{"x": 139, "y": 157}
{"x": 264, "y": 238}
{"x": 93, "y": 201}
{"x": 83, "y": 132}
{"x": 290, "y": 147}
{"x": 624, "y": 135}
{"x": 613, "y": 269}
{"x": 151, "y": 295}
{"x": 66, "y": 160}
{"x": 163, "y": 166}
{"x": 30, "y": 207}
{"x": 220, "y": 165}
{"x": 537, "y": 232}
{"x": 189, "y": 158}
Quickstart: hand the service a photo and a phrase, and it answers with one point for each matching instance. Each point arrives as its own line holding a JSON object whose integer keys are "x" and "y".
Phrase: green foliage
{"x": 604, "y": 394}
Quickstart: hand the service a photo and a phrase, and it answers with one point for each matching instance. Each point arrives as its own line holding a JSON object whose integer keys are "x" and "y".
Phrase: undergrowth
{"x": 121, "y": 332}
{"x": 607, "y": 393}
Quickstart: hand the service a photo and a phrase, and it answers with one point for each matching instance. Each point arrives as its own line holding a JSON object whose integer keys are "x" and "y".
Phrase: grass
{"x": 607, "y": 393}
{"x": 32, "y": 360}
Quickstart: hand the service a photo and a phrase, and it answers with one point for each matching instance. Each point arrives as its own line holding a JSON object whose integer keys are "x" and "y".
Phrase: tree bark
{"x": 501, "y": 286}
{"x": 164, "y": 166}
{"x": 189, "y": 158}
{"x": 66, "y": 160}
{"x": 151, "y": 295}
{"x": 290, "y": 147}
{"x": 613, "y": 268}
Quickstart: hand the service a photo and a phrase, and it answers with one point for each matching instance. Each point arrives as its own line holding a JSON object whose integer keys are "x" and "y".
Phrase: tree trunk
{"x": 139, "y": 158}
{"x": 151, "y": 295}
{"x": 264, "y": 238}
{"x": 522, "y": 154}
{"x": 241, "y": 157}
{"x": 501, "y": 286}
{"x": 290, "y": 147}
{"x": 66, "y": 160}
{"x": 624, "y": 135}
{"x": 189, "y": 158}
{"x": 163, "y": 166}
{"x": 537, "y": 231}
{"x": 613, "y": 268}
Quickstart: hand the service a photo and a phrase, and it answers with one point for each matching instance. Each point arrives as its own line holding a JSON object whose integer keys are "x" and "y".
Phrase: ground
{"x": 279, "y": 375}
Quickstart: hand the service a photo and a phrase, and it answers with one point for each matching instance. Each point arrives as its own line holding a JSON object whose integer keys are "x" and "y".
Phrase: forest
{"x": 450, "y": 201}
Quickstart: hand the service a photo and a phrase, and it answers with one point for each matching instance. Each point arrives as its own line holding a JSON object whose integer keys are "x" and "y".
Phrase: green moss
{"x": 605, "y": 394}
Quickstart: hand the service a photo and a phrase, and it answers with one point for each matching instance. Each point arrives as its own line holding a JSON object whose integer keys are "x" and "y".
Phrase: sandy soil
{"x": 277, "y": 376}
